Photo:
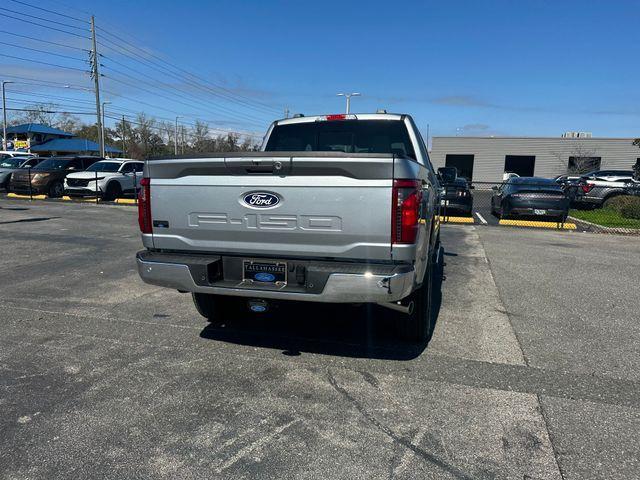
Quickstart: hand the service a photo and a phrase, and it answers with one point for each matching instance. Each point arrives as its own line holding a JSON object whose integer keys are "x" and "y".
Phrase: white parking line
{"x": 481, "y": 218}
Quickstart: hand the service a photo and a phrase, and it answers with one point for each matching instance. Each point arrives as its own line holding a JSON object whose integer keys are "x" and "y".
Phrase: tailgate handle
{"x": 259, "y": 166}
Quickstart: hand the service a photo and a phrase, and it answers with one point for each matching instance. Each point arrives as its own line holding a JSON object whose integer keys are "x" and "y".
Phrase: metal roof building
{"x": 486, "y": 159}
{"x": 46, "y": 140}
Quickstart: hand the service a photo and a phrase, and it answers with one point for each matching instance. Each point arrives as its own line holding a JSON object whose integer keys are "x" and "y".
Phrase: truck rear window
{"x": 348, "y": 136}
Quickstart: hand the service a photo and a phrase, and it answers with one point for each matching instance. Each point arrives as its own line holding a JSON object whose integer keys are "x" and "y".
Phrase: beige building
{"x": 486, "y": 159}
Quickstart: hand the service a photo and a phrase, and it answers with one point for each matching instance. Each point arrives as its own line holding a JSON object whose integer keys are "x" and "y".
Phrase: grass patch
{"x": 605, "y": 217}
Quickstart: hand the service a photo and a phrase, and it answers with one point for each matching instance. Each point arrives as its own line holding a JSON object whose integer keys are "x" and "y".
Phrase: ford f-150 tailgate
{"x": 311, "y": 204}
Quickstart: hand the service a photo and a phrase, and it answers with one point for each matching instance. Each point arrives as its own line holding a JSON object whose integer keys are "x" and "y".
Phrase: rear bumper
{"x": 529, "y": 207}
{"x": 81, "y": 191}
{"x": 343, "y": 283}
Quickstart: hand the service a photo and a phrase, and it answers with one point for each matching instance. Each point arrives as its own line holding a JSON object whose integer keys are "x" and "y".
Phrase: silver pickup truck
{"x": 335, "y": 208}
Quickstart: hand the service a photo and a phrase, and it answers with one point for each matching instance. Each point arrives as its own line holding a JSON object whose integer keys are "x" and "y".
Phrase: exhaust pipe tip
{"x": 399, "y": 307}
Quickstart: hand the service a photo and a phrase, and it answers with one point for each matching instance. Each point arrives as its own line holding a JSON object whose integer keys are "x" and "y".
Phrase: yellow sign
{"x": 18, "y": 144}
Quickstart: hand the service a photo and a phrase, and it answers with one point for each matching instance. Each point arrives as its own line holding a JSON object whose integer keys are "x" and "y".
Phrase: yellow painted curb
{"x": 448, "y": 219}
{"x": 538, "y": 224}
{"x": 27, "y": 197}
{"x": 126, "y": 201}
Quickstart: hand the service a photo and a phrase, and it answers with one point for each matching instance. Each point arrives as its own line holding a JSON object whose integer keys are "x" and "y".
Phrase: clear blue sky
{"x": 473, "y": 67}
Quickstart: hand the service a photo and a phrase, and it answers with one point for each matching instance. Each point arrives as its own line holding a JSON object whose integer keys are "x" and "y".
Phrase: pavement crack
{"x": 550, "y": 435}
{"x": 408, "y": 444}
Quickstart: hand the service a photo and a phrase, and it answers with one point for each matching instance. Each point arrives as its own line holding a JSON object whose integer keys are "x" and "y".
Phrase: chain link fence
{"x": 608, "y": 207}
{"x": 35, "y": 185}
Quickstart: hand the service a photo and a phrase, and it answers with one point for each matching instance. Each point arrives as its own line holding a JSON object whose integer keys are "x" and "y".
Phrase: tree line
{"x": 140, "y": 138}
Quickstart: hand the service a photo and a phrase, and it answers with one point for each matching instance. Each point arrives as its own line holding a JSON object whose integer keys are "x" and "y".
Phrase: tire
{"x": 56, "y": 189}
{"x": 416, "y": 327}
{"x": 113, "y": 191}
{"x": 216, "y": 308}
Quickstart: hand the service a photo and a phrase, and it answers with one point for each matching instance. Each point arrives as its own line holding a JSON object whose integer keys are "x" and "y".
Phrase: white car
{"x": 108, "y": 179}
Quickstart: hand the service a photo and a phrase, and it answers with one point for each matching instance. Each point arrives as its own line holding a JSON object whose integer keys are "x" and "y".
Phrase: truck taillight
{"x": 405, "y": 211}
{"x": 144, "y": 206}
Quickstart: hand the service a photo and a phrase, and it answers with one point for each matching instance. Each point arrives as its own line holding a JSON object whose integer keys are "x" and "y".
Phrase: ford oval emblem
{"x": 261, "y": 199}
{"x": 264, "y": 277}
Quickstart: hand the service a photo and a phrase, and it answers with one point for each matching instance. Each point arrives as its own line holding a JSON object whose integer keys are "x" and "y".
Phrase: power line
{"x": 44, "y": 41}
{"x": 230, "y": 94}
{"x": 53, "y": 97}
{"x": 46, "y": 26}
{"x": 196, "y": 106}
{"x": 43, "y": 51}
{"x": 172, "y": 89}
{"x": 42, "y": 63}
{"x": 43, "y": 19}
{"x": 164, "y": 72}
{"x": 50, "y": 11}
{"x": 45, "y": 83}
{"x": 59, "y": 85}
{"x": 49, "y": 111}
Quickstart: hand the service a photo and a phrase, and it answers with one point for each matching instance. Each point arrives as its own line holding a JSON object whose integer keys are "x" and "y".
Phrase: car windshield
{"x": 53, "y": 164}
{"x": 11, "y": 162}
{"x": 348, "y": 136}
{"x": 104, "y": 167}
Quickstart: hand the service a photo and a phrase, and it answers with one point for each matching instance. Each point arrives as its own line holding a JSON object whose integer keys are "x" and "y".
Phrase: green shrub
{"x": 631, "y": 210}
{"x": 626, "y": 205}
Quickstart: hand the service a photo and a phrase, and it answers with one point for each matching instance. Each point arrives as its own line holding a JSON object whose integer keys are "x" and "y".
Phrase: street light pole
{"x": 176, "y": 136}
{"x": 104, "y": 148}
{"x": 348, "y": 97}
{"x": 4, "y": 116}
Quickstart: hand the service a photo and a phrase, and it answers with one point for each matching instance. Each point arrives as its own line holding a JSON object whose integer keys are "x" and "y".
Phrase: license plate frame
{"x": 264, "y": 272}
{"x": 539, "y": 211}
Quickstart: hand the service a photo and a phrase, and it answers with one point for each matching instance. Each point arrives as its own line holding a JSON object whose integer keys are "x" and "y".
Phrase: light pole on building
{"x": 102, "y": 146}
{"x": 348, "y": 97}
{"x": 4, "y": 116}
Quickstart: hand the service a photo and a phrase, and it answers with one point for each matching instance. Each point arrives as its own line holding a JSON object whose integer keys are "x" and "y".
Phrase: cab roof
{"x": 334, "y": 116}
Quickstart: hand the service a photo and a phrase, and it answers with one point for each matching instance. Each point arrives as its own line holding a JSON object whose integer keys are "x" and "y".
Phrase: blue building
{"x": 45, "y": 141}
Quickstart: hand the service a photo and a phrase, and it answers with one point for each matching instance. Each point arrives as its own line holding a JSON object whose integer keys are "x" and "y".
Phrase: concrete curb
{"x": 610, "y": 230}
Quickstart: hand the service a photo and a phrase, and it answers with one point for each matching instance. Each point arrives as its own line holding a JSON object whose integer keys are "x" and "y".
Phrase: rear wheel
{"x": 56, "y": 190}
{"x": 216, "y": 308}
{"x": 113, "y": 191}
{"x": 417, "y": 325}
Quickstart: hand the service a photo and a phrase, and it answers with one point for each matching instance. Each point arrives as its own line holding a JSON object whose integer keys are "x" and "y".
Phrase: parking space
{"x": 532, "y": 371}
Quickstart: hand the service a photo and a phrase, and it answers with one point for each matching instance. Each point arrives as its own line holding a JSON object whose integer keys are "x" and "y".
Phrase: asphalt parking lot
{"x": 533, "y": 370}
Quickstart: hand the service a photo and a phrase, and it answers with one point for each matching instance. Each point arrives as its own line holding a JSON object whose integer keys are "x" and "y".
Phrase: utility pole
{"x": 182, "y": 139}
{"x": 4, "y": 116}
{"x": 96, "y": 81}
{"x": 124, "y": 132}
{"x": 286, "y": 112}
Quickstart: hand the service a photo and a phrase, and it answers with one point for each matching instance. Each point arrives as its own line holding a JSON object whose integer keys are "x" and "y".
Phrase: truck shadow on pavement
{"x": 365, "y": 331}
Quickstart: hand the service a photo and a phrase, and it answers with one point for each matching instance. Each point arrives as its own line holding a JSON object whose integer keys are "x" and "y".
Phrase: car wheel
{"x": 56, "y": 190}
{"x": 216, "y": 308}
{"x": 112, "y": 192}
{"x": 416, "y": 326}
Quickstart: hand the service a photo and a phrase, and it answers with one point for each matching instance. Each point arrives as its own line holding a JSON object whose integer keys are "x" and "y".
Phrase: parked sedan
{"x": 107, "y": 178}
{"x": 456, "y": 196}
{"x": 48, "y": 176}
{"x": 10, "y": 164}
{"x": 531, "y": 196}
